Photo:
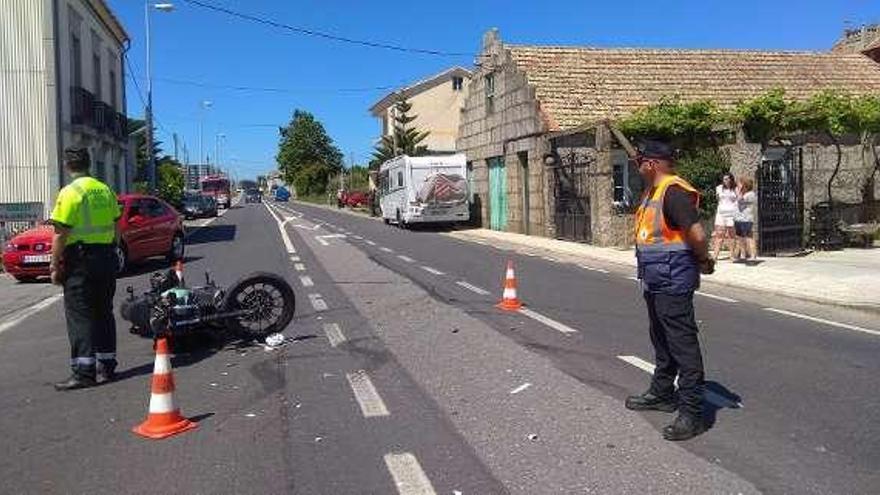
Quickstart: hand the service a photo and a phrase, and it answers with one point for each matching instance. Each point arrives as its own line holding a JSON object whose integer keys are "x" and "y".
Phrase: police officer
{"x": 84, "y": 263}
{"x": 672, "y": 251}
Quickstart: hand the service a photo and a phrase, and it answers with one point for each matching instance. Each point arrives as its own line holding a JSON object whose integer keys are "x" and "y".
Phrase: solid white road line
{"x": 550, "y": 322}
{"x": 406, "y": 258}
{"x": 299, "y": 267}
{"x": 710, "y": 396}
{"x": 713, "y": 296}
{"x": 473, "y": 288}
{"x": 334, "y": 334}
{"x": 432, "y": 270}
{"x": 19, "y": 316}
{"x": 520, "y": 388}
{"x": 317, "y": 302}
{"x": 408, "y": 475}
{"x": 822, "y": 320}
{"x": 366, "y": 395}
{"x": 284, "y": 237}
{"x": 385, "y": 249}
{"x": 306, "y": 281}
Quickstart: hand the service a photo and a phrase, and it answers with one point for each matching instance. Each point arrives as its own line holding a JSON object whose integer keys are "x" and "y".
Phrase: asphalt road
{"x": 399, "y": 376}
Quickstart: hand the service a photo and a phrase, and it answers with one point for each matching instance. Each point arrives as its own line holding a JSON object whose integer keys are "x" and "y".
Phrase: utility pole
{"x": 174, "y": 136}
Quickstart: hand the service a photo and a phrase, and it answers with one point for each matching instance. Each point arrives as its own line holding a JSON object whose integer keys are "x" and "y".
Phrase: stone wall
{"x": 513, "y": 126}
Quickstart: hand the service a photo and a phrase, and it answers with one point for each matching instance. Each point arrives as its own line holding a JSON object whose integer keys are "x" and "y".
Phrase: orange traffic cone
{"x": 164, "y": 418}
{"x": 509, "y": 301}
{"x": 178, "y": 270}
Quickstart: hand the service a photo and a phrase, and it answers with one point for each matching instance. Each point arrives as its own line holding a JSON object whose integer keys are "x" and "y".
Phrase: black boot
{"x": 107, "y": 371}
{"x": 75, "y": 381}
{"x": 685, "y": 427}
{"x": 650, "y": 402}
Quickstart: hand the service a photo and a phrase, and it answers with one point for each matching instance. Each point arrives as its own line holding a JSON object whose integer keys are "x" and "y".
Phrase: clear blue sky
{"x": 333, "y": 80}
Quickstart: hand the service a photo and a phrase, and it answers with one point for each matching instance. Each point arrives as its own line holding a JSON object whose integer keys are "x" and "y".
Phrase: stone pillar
{"x": 602, "y": 190}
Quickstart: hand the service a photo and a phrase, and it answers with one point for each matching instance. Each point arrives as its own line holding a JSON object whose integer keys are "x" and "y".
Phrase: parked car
{"x": 199, "y": 206}
{"x": 26, "y": 256}
{"x": 282, "y": 194}
{"x": 356, "y": 198}
{"x": 253, "y": 196}
{"x": 148, "y": 227}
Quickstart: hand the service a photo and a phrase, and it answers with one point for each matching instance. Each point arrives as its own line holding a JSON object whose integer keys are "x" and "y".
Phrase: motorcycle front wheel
{"x": 267, "y": 299}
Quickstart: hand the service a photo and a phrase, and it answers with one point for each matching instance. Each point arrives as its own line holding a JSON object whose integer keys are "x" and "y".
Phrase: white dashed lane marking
{"x": 367, "y": 396}
{"x": 710, "y": 396}
{"x": 406, "y": 258}
{"x": 317, "y": 302}
{"x": 299, "y": 267}
{"x": 334, "y": 334}
{"x": 306, "y": 281}
{"x": 371, "y": 243}
{"x": 432, "y": 270}
{"x": 408, "y": 475}
{"x": 387, "y": 250}
{"x": 824, "y": 321}
{"x": 717, "y": 298}
{"x": 550, "y": 322}
{"x": 473, "y": 288}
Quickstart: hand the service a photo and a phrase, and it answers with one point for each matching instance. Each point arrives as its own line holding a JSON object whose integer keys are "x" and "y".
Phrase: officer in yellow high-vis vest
{"x": 672, "y": 251}
{"x": 84, "y": 263}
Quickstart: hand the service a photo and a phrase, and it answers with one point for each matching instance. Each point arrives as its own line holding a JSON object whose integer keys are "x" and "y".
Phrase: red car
{"x": 148, "y": 226}
{"x": 355, "y": 199}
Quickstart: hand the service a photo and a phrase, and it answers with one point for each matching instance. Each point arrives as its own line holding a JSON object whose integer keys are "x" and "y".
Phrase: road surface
{"x": 400, "y": 376}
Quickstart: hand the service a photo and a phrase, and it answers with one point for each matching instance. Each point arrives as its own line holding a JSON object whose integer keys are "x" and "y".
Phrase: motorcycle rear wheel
{"x": 269, "y": 298}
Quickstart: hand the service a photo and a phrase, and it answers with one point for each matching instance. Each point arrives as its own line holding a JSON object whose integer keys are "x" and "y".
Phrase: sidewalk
{"x": 844, "y": 278}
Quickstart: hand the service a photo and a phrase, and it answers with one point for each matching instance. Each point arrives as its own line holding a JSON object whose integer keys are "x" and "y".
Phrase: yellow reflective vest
{"x": 89, "y": 208}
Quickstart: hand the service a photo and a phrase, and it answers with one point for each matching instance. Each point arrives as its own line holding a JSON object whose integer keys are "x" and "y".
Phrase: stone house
{"x": 541, "y": 164}
{"x": 436, "y": 101}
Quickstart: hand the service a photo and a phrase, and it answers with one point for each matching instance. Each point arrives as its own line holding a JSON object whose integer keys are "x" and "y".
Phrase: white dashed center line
{"x": 371, "y": 243}
{"x": 710, "y": 396}
{"x": 294, "y": 258}
{"x": 334, "y": 334}
{"x": 358, "y": 237}
{"x": 713, "y": 296}
{"x": 473, "y": 288}
{"x": 366, "y": 394}
{"x": 385, "y": 249}
{"x": 550, "y": 322}
{"x": 432, "y": 270}
{"x": 317, "y": 302}
{"x": 306, "y": 281}
{"x": 824, "y": 321}
{"x": 408, "y": 475}
{"x": 406, "y": 258}
{"x": 299, "y": 267}
{"x": 593, "y": 269}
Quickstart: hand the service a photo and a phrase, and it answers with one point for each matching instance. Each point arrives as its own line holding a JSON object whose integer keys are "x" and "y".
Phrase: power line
{"x": 320, "y": 34}
{"x": 268, "y": 89}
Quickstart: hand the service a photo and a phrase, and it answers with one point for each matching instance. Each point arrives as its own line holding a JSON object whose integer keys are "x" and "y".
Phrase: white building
{"x": 436, "y": 101}
{"x": 61, "y": 84}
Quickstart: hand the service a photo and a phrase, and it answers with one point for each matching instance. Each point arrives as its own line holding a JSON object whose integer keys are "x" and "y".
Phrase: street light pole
{"x": 203, "y": 105}
{"x": 148, "y": 112}
{"x": 218, "y": 137}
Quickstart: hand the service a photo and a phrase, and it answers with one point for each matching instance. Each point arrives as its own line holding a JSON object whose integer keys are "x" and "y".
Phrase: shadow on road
{"x": 710, "y": 409}
{"x": 211, "y": 233}
{"x": 152, "y": 265}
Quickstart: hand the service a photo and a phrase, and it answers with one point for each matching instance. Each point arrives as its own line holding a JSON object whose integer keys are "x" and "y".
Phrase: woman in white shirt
{"x": 744, "y": 220}
{"x": 727, "y": 209}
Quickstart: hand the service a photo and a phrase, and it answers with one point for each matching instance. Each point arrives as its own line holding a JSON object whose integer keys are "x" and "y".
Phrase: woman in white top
{"x": 727, "y": 209}
{"x": 745, "y": 220}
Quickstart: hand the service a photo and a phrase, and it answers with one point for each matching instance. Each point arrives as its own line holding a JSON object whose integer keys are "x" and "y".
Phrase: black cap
{"x": 77, "y": 158}
{"x": 656, "y": 149}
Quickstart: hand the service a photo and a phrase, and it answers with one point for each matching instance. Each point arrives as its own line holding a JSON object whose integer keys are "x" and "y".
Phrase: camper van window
{"x": 400, "y": 179}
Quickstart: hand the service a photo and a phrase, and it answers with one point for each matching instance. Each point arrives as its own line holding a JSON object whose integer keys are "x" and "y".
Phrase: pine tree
{"x": 404, "y": 139}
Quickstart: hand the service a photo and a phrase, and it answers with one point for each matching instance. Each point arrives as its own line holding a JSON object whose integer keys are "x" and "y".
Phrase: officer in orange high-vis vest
{"x": 672, "y": 251}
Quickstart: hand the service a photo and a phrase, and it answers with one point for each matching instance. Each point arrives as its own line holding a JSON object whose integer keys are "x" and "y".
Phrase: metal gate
{"x": 780, "y": 201}
{"x": 571, "y": 192}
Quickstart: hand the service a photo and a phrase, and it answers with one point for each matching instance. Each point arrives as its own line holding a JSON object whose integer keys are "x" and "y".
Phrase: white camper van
{"x": 424, "y": 189}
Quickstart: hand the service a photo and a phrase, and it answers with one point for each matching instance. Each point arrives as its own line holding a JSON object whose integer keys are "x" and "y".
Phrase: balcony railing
{"x": 85, "y": 110}
{"x": 82, "y": 106}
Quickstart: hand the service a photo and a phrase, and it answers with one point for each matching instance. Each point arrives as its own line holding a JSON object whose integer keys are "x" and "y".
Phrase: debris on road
{"x": 250, "y": 415}
{"x": 520, "y": 388}
{"x": 533, "y": 437}
{"x": 275, "y": 340}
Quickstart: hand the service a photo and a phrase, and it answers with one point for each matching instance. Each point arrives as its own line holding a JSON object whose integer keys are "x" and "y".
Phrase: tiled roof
{"x": 580, "y": 85}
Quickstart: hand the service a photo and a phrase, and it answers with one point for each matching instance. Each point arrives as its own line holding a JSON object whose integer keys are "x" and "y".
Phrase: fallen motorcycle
{"x": 254, "y": 307}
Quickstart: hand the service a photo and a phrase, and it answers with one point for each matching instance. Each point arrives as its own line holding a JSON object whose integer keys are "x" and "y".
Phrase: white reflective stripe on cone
{"x": 162, "y": 403}
{"x": 509, "y": 294}
{"x": 163, "y": 365}
{"x": 509, "y": 274}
